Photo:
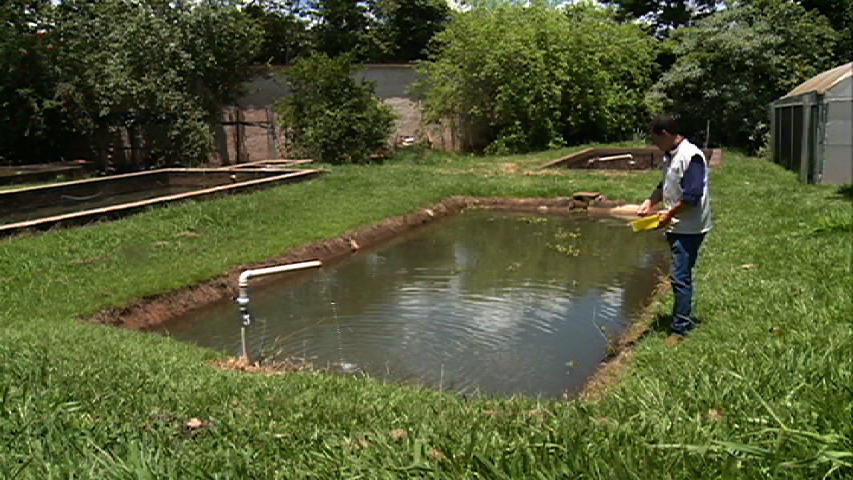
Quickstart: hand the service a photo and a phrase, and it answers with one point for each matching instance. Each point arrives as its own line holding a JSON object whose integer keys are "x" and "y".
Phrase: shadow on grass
{"x": 846, "y": 191}
{"x": 829, "y": 227}
{"x": 663, "y": 322}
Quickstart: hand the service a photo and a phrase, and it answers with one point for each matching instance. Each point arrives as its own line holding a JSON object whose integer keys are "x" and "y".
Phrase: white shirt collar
{"x": 675, "y": 150}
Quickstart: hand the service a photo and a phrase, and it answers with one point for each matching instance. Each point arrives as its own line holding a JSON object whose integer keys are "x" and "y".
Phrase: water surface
{"x": 489, "y": 302}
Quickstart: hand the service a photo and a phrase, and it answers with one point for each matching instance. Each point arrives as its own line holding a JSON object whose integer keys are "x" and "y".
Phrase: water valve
{"x": 245, "y": 314}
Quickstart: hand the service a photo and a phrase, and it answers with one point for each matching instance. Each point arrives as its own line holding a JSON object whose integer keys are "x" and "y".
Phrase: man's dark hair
{"x": 667, "y": 121}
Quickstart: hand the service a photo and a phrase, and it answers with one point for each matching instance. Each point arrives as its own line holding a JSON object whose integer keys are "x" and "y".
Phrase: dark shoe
{"x": 683, "y": 331}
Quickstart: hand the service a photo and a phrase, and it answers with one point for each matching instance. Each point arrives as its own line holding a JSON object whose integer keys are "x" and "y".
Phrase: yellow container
{"x": 646, "y": 223}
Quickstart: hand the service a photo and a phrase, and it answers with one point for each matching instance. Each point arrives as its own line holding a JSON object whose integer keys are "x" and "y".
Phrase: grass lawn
{"x": 763, "y": 389}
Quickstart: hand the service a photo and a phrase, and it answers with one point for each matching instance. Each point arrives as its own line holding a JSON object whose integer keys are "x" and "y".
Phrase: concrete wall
{"x": 813, "y": 134}
{"x": 249, "y": 131}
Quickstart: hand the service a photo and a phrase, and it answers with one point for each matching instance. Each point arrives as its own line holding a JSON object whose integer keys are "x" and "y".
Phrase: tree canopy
{"x": 731, "y": 65}
{"x": 524, "y": 78}
{"x": 375, "y": 31}
{"x": 162, "y": 69}
{"x": 286, "y": 34}
{"x": 665, "y": 15}
{"x": 517, "y": 74}
{"x": 839, "y": 13}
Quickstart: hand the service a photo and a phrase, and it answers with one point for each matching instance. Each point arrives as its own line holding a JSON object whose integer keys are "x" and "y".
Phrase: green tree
{"x": 330, "y": 117}
{"x": 31, "y": 107}
{"x": 406, "y": 27}
{"x": 839, "y": 13}
{"x": 731, "y": 65}
{"x": 515, "y": 78}
{"x": 665, "y": 15}
{"x": 344, "y": 27}
{"x": 169, "y": 70}
{"x": 517, "y": 3}
{"x": 840, "y": 16}
{"x": 285, "y": 30}
{"x": 160, "y": 69}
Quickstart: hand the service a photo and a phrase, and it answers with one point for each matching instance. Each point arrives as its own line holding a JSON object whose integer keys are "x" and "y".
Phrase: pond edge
{"x": 150, "y": 312}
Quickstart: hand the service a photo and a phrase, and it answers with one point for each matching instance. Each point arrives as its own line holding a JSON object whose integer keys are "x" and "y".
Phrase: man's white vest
{"x": 692, "y": 219}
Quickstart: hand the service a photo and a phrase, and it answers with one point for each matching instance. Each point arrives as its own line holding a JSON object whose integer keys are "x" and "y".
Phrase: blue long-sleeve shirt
{"x": 693, "y": 182}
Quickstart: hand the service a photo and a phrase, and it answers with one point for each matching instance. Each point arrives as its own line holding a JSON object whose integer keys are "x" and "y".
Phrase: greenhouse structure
{"x": 811, "y": 128}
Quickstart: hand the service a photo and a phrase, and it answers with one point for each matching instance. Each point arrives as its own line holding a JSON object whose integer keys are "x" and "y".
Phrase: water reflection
{"x": 484, "y": 302}
{"x": 65, "y": 204}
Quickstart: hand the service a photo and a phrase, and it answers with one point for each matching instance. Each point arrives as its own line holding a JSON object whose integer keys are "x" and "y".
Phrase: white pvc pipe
{"x": 246, "y": 275}
{"x": 626, "y": 156}
{"x": 243, "y": 298}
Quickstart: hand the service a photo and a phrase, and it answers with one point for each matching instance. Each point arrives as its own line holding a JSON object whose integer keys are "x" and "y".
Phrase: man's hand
{"x": 645, "y": 208}
{"x": 665, "y": 218}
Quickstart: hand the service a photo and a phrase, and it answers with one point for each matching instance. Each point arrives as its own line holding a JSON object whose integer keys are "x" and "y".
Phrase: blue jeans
{"x": 685, "y": 250}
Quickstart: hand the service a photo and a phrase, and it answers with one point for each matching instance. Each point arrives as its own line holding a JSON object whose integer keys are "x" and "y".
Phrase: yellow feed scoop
{"x": 646, "y": 223}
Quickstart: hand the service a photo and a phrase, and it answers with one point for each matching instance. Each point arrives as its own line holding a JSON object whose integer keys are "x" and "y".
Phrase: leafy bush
{"x": 518, "y": 78}
{"x": 330, "y": 117}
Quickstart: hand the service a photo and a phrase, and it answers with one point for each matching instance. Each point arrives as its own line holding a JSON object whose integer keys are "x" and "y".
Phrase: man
{"x": 686, "y": 218}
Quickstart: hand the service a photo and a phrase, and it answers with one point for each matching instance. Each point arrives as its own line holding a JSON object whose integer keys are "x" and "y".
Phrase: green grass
{"x": 763, "y": 389}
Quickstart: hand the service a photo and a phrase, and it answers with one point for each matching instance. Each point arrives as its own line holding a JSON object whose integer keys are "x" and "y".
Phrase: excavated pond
{"x": 485, "y": 301}
{"x": 81, "y": 201}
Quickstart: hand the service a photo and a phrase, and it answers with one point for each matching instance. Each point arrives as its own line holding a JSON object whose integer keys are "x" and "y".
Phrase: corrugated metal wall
{"x": 838, "y": 139}
{"x": 813, "y": 134}
{"x": 788, "y": 135}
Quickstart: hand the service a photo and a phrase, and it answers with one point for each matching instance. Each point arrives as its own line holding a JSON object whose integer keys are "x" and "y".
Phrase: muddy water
{"x": 482, "y": 302}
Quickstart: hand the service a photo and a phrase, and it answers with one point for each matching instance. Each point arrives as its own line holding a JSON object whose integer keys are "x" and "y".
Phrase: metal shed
{"x": 812, "y": 128}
